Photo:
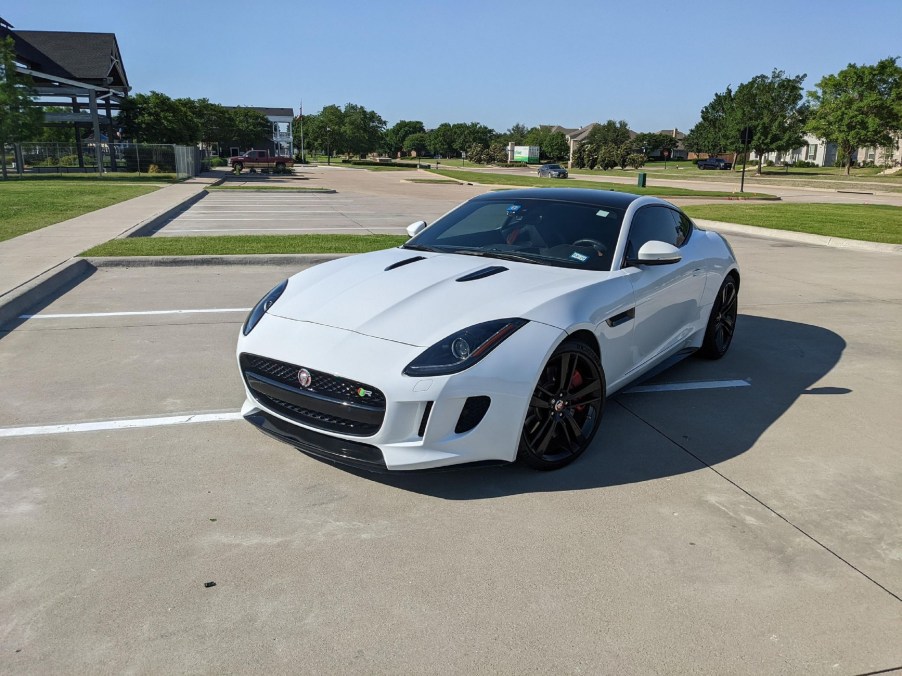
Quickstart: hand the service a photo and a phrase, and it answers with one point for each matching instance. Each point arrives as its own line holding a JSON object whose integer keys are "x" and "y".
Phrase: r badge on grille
{"x": 304, "y": 378}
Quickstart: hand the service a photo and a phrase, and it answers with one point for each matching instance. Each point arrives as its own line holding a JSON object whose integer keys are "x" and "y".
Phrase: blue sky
{"x": 653, "y": 63}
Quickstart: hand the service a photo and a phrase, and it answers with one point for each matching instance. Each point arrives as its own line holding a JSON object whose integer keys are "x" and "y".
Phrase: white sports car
{"x": 494, "y": 334}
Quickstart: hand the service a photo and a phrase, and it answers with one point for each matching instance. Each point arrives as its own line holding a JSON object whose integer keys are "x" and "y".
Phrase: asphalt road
{"x": 749, "y": 528}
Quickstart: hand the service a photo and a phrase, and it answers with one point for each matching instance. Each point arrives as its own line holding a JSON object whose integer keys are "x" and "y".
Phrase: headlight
{"x": 461, "y": 350}
{"x": 256, "y": 314}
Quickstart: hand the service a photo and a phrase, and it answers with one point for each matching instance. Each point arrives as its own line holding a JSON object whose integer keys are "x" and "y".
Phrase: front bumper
{"x": 422, "y": 423}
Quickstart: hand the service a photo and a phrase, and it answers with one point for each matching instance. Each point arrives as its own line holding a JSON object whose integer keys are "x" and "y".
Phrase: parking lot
{"x": 383, "y": 203}
{"x": 741, "y": 516}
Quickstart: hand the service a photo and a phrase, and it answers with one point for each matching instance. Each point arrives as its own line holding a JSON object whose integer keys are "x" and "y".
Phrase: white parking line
{"x": 117, "y": 424}
{"x": 355, "y": 228}
{"x": 133, "y": 314}
{"x": 278, "y": 211}
{"x": 698, "y": 385}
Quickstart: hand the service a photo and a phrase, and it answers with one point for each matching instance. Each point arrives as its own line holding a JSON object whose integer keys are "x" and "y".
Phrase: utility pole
{"x": 302, "y": 132}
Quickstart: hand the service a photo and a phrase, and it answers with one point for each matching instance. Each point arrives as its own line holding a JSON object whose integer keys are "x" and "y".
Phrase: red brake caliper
{"x": 575, "y": 382}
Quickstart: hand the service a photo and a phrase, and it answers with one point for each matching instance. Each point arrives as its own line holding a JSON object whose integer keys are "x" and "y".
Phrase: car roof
{"x": 602, "y": 198}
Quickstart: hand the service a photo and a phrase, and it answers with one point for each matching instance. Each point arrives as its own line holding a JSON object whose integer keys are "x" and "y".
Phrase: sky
{"x": 653, "y": 63}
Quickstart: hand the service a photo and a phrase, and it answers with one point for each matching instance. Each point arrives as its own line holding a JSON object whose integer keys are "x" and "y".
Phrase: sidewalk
{"x": 24, "y": 259}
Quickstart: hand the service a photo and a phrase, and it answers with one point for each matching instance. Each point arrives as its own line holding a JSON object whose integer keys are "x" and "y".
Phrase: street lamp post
{"x": 329, "y": 146}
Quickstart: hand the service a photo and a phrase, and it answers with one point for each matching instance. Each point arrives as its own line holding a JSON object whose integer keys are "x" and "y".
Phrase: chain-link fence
{"x": 138, "y": 158}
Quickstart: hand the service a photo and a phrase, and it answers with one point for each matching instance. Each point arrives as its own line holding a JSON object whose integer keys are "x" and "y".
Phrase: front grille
{"x": 330, "y": 402}
{"x": 326, "y": 383}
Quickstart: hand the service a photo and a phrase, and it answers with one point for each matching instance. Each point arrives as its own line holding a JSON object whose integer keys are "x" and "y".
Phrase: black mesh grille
{"x": 473, "y": 412}
{"x": 319, "y": 401}
{"x": 323, "y": 383}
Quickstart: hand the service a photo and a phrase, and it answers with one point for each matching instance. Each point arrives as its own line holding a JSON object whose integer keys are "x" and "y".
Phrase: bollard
{"x": 641, "y": 181}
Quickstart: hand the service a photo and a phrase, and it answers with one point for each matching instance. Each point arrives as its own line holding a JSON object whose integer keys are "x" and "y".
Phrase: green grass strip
{"x": 26, "y": 206}
{"x": 227, "y": 245}
{"x": 866, "y": 222}
{"x": 536, "y": 182}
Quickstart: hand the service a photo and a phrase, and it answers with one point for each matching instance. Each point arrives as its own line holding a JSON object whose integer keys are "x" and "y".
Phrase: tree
{"x": 250, "y": 127}
{"x": 859, "y": 106}
{"x": 649, "y": 142}
{"x": 441, "y": 141}
{"x": 516, "y": 134}
{"x": 718, "y": 129}
{"x": 19, "y": 117}
{"x": 609, "y": 133}
{"x": 416, "y": 142}
{"x": 157, "y": 118}
{"x": 552, "y": 145}
{"x": 395, "y": 137}
{"x": 362, "y": 130}
{"x": 772, "y": 106}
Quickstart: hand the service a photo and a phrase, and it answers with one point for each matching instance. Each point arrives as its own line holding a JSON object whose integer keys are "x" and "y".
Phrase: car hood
{"x": 421, "y": 302}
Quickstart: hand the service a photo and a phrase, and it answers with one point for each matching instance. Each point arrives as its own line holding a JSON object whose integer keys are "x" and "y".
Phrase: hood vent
{"x": 405, "y": 262}
{"x": 484, "y": 272}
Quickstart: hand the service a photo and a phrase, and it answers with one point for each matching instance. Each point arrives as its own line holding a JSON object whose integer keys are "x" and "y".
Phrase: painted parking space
{"x": 741, "y": 514}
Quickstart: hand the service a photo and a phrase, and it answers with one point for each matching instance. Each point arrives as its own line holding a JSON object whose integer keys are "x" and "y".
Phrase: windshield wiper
{"x": 503, "y": 255}
{"x": 418, "y": 247}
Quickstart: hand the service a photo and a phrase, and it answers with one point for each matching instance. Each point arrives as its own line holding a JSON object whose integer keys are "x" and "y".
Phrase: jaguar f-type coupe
{"x": 493, "y": 334}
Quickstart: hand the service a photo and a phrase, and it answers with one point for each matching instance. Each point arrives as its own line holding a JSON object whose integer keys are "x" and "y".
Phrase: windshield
{"x": 544, "y": 232}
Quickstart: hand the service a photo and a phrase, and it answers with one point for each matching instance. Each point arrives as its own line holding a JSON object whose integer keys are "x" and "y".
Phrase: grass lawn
{"x": 535, "y": 181}
{"x": 245, "y": 244}
{"x": 871, "y": 223}
{"x": 31, "y": 205}
{"x": 375, "y": 167}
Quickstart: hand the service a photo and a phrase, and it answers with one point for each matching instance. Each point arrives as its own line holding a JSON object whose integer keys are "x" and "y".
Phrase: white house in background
{"x": 823, "y": 154}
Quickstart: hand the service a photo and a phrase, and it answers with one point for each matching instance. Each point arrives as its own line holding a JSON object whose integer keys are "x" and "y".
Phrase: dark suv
{"x": 714, "y": 163}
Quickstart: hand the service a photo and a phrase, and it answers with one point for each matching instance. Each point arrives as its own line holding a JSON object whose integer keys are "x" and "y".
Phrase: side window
{"x": 652, "y": 223}
{"x": 683, "y": 226}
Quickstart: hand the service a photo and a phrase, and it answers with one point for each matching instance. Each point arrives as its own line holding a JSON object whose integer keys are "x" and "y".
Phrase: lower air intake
{"x": 473, "y": 412}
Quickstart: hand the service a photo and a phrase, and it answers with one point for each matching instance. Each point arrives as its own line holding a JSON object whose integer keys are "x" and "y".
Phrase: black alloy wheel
{"x": 722, "y": 322}
{"x": 565, "y": 409}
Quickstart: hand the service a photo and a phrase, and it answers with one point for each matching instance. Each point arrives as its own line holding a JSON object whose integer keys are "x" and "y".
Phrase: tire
{"x": 562, "y": 420}
{"x": 722, "y": 322}
{"x": 280, "y": 167}
{"x": 239, "y": 166}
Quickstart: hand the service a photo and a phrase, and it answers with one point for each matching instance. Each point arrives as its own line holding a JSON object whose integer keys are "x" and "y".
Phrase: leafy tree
{"x": 52, "y": 133}
{"x": 416, "y": 142}
{"x": 398, "y": 134}
{"x": 552, "y": 145}
{"x": 362, "y": 129}
{"x": 157, "y": 118}
{"x": 772, "y": 106}
{"x": 477, "y": 154}
{"x": 19, "y": 117}
{"x": 649, "y": 142}
{"x": 609, "y": 133}
{"x": 516, "y": 134}
{"x": 859, "y": 106}
{"x": 718, "y": 129}
{"x": 250, "y": 126}
{"x": 441, "y": 140}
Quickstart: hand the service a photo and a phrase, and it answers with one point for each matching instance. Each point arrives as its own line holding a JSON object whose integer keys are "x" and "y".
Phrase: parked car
{"x": 553, "y": 171}
{"x": 714, "y": 163}
{"x": 495, "y": 334}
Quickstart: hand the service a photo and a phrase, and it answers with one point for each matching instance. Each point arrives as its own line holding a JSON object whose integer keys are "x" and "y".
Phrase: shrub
{"x": 636, "y": 160}
{"x": 153, "y": 169}
{"x": 769, "y": 163}
{"x": 218, "y": 162}
{"x": 802, "y": 164}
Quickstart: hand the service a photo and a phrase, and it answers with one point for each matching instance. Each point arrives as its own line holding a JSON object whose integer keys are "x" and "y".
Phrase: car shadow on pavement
{"x": 651, "y": 435}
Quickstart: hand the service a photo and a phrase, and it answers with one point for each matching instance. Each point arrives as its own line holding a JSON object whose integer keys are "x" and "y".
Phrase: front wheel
{"x": 565, "y": 409}
{"x": 722, "y": 322}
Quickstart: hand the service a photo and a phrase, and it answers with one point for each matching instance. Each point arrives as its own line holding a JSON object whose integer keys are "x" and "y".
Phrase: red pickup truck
{"x": 260, "y": 159}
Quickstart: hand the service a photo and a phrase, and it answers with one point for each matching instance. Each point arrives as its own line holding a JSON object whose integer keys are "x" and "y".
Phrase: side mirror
{"x": 415, "y": 229}
{"x": 657, "y": 253}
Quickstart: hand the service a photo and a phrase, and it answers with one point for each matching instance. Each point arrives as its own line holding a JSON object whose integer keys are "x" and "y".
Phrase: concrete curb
{"x": 154, "y": 223}
{"x": 801, "y": 237}
{"x": 42, "y": 288}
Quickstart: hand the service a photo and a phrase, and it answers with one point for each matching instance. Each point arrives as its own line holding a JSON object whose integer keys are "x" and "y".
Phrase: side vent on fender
{"x": 484, "y": 272}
